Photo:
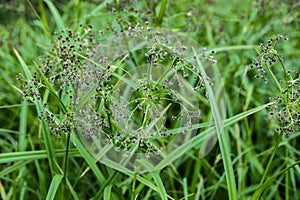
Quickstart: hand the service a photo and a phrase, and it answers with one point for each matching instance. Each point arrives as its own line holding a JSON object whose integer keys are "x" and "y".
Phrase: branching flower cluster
{"x": 87, "y": 94}
{"x": 286, "y": 107}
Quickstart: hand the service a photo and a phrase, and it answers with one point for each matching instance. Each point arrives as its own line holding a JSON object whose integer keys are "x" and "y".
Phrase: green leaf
{"x": 88, "y": 158}
{"x": 16, "y": 166}
{"x": 33, "y": 155}
{"x": 107, "y": 193}
{"x": 268, "y": 182}
{"x": 23, "y": 127}
{"x": 57, "y": 17}
{"x": 73, "y": 192}
{"x": 54, "y": 186}
{"x": 160, "y": 185}
{"x": 224, "y": 146}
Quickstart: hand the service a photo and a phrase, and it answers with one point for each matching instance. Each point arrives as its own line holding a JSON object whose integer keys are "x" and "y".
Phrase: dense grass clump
{"x": 149, "y": 99}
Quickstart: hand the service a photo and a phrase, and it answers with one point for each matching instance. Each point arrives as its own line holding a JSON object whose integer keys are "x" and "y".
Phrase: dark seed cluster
{"x": 30, "y": 88}
{"x": 56, "y": 126}
{"x": 64, "y": 68}
{"x": 64, "y": 65}
{"x": 87, "y": 83}
{"x": 267, "y": 56}
{"x": 287, "y": 108}
{"x": 208, "y": 56}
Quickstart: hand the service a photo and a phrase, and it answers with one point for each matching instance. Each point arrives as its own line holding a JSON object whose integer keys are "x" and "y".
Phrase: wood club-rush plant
{"x": 136, "y": 96}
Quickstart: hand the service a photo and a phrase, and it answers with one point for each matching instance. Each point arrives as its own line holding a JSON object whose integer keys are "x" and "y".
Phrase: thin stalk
{"x": 269, "y": 163}
{"x": 67, "y": 154}
{"x": 133, "y": 183}
{"x": 223, "y": 142}
{"x": 283, "y": 67}
{"x": 287, "y": 191}
{"x": 23, "y": 126}
{"x": 274, "y": 78}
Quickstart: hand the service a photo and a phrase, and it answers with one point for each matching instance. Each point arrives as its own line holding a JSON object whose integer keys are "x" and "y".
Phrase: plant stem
{"x": 274, "y": 78}
{"x": 287, "y": 178}
{"x": 269, "y": 164}
{"x": 162, "y": 10}
{"x": 223, "y": 142}
{"x": 67, "y": 153}
{"x": 283, "y": 67}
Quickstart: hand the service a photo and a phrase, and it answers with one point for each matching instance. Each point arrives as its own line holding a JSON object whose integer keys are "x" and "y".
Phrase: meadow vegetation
{"x": 53, "y": 52}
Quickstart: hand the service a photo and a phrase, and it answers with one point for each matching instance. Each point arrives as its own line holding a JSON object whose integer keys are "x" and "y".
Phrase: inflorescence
{"x": 286, "y": 107}
{"x": 73, "y": 67}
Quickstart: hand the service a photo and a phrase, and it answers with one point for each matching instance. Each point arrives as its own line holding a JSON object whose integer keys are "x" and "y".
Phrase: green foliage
{"x": 43, "y": 157}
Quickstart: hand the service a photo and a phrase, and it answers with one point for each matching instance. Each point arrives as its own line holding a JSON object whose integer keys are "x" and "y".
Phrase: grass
{"x": 250, "y": 159}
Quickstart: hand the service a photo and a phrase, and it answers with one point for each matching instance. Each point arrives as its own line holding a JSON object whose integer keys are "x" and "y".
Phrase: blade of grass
{"x": 88, "y": 158}
{"x": 96, "y": 10}
{"x": 33, "y": 155}
{"x": 17, "y": 105}
{"x": 155, "y": 175}
{"x": 8, "y": 131}
{"x": 73, "y": 192}
{"x": 162, "y": 10}
{"x": 268, "y": 182}
{"x": 160, "y": 185}
{"x": 109, "y": 181}
{"x": 54, "y": 186}
{"x": 232, "y": 48}
{"x": 224, "y": 147}
{"x": 42, "y": 19}
{"x": 41, "y": 176}
{"x": 146, "y": 182}
{"x": 23, "y": 127}
{"x": 185, "y": 189}
{"x": 57, "y": 17}
{"x": 107, "y": 192}
{"x": 14, "y": 167}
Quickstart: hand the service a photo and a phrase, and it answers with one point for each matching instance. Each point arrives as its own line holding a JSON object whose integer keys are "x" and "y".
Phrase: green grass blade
{"x": 42, "y": 19}
{"x": 17, "y": 105}
{"x": 149, "y": 184}
{"x": 162, "y": 10}
{"x": 57, "y": 17}
{"x": 234, "y": 48}
{"x": 185, "y": 189}
{"x": 54, "y": 186}
{"x": 34, "y": 155}
{"x": 17, "y": 166}
{"x": 88, "y": 158}
{"x": 224, "y": 146}
{"x": 107, "y": 192}
{"x": 73, "y": 192}
{"x": 160, "y": 185}
{"x": 96, "y": 10}
{"x": 8, "y": 131}
{"x": 23, "y": 127}
{"x": 269, "y": 181}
